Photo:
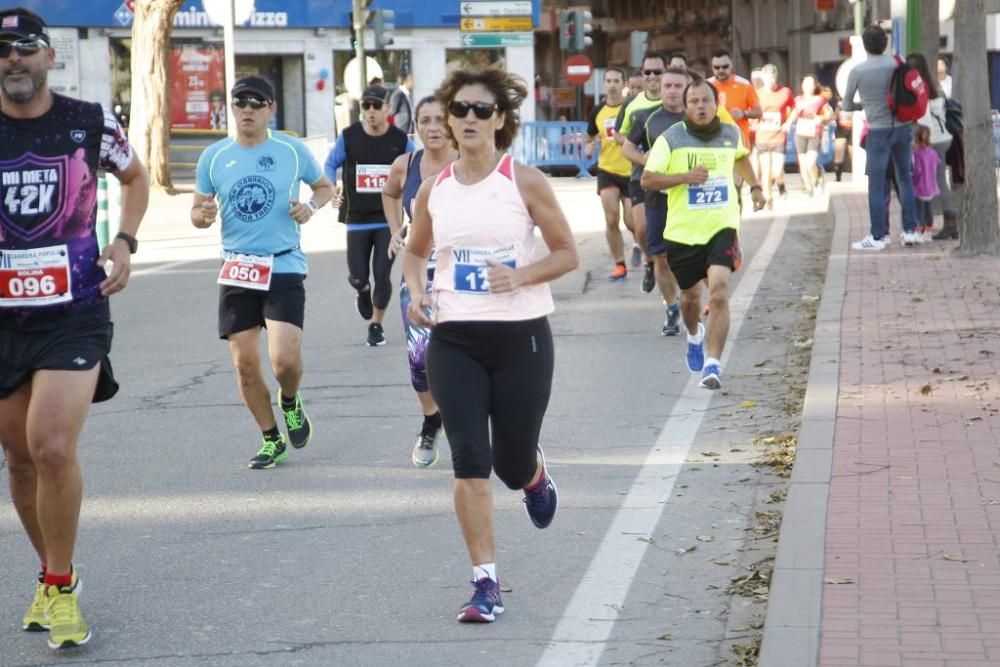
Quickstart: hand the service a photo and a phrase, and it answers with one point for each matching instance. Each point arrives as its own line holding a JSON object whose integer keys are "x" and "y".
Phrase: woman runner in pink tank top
{"x": 490, "y": 358}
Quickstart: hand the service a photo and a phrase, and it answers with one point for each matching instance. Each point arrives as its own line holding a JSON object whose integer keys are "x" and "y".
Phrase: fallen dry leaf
{"x": 957, "y": 559}
{"x": 748, "y": 405}
{"x": 705, "y": 538}
{"x": 926, "y": 389}
{"x": 845, "y": 580}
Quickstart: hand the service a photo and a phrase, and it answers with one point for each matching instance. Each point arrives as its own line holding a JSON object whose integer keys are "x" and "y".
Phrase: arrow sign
{"x": 496, "y": 24}
{"x": 492, "y": 40}
{"x": 495, "y": 8}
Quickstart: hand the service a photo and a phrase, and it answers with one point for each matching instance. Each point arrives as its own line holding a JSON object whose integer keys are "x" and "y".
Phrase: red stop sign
{"x": 577, "y": 69}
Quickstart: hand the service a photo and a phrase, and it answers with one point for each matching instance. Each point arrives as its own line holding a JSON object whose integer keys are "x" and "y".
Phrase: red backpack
{"x": 908, "y": 93}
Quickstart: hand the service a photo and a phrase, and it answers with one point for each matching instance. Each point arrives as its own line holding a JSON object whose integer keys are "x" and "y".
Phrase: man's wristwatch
{"x": 311, "y": 205}
{"x": 131, "y": 241}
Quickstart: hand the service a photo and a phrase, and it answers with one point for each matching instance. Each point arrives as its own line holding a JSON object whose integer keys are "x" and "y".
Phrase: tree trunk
{"x": 979, "y": 231}
{"x": 930, "y": 30}
{"x": 149, "y": 124}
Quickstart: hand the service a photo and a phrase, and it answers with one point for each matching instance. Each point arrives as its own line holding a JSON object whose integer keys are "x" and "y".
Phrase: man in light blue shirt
{"x": 887, "y": 138}
{"x": 256, "y": 178}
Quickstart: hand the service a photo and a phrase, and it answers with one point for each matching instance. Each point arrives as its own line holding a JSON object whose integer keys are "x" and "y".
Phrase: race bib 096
{"x": 35, "y": 277}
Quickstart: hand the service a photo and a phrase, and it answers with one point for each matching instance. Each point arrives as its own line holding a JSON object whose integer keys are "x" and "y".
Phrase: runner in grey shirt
{"x": 887, "y": 138}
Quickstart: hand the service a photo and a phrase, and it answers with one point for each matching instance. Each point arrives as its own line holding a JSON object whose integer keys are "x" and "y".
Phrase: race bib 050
{"x": 248, "y": 271}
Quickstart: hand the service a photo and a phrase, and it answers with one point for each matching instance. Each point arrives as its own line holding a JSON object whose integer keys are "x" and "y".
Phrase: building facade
{"x": 304, "y": 47}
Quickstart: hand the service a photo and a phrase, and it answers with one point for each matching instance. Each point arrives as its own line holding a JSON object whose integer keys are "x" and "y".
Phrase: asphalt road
{"x": 348, "y": 555}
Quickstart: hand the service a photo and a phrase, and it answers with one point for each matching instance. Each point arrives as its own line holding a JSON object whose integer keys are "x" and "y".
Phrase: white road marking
{"x": 588, "y": 620}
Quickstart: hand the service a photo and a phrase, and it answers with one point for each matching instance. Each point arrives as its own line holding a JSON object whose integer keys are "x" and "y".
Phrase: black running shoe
{"x": 376, "y": 336}
{"x": 364, "y": 304}
{"x": 648, "y": 278}
{"x": 271, "y": 454}
{"x": 297, "y": 422}
{"x": 672, "y": 326}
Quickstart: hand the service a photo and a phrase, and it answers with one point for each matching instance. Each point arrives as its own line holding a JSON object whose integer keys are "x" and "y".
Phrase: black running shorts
{"x": 241, "y": 308}
{"x": 636, "y": 192}
{"x": 656, "y": 220}
{"x": 690, "y": 263}
{"x": 605, "y": 179}
{"x": 74, "y": 347}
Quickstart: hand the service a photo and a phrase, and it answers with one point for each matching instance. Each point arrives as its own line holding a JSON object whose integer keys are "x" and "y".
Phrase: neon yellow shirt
{"x": 696, "y": 213}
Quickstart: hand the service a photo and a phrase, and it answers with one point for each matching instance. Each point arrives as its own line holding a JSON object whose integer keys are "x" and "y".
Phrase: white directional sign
{"x": 489, "y": 40}
{"x": 495, "y": 7}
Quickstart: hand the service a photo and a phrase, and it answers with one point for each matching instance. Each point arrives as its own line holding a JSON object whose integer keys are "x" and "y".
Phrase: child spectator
{"x": 925, "y": 187}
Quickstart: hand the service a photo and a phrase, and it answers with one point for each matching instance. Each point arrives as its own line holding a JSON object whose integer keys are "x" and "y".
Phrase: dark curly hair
{"x": 509, "y": 91}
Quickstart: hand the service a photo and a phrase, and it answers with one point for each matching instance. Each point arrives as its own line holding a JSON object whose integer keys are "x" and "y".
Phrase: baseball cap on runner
{"x": 256, "y": 85}
{"x": 14, "y": 26}
{"x": 375, "y": 93}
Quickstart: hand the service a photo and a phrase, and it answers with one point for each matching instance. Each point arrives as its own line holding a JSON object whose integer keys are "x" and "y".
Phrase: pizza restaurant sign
{"x": 211, "y": 13}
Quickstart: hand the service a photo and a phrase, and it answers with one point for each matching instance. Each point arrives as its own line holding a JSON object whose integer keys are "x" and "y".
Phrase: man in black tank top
{"x": 55, "y": 320}
{"x": 364, "y": 153}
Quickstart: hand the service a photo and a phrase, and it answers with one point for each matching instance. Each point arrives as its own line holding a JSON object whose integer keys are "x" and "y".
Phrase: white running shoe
{"x": 869, "y": 243}
{"x": 909, "y": 239}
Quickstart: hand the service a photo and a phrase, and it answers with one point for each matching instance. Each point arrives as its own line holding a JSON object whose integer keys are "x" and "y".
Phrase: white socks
{"x": 484, "y": 570}
{"x": 712, "y": 360}
{"x": 698, "y": 337}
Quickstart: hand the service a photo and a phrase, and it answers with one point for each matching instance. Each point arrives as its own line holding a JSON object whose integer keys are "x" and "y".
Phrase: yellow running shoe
{"x": 67, "y": 626}
{"x": 35, "y": 619}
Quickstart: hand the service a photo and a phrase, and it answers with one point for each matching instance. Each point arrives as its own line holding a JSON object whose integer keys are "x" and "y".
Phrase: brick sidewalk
{"x": 912, "y": 571}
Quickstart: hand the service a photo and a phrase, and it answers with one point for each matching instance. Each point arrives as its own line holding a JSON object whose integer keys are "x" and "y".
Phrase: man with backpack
{"x": 889, "y": 109}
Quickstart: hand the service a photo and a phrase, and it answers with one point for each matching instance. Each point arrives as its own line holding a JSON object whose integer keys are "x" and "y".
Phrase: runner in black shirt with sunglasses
{"x": 366, "y": 151}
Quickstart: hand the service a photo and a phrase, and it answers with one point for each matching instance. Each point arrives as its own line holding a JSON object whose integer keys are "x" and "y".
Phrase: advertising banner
{"x": 197, "y": 87}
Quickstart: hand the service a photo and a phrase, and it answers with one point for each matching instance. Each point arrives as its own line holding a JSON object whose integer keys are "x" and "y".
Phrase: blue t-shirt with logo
{"x": 254, "y": 186}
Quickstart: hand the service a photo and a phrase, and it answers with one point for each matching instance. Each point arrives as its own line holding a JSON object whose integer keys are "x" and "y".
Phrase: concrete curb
{"x": 795, "y": 604}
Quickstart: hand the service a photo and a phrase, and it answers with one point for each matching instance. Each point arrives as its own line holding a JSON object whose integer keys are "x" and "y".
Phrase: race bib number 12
{"x": 472, "y": 271}
{"x": 248, "y": 271}
{"x": 35, "y": 277}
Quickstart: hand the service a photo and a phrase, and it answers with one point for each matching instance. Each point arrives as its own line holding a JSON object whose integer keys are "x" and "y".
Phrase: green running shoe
{"x": 297, "y": 422}
{"x": 271, "y": 454}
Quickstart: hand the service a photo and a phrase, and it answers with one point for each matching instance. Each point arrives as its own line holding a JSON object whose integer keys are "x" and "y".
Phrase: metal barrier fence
{"x": 559, "y": 144}
{"x": 550, "y": 143}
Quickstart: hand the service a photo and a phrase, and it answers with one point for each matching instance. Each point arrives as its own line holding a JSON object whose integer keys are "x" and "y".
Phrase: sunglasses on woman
{"x": 371, "y": 105}
{"x": 254, "y": 103}
{"x": 24, "y": 47}
{"x": 483, "y": 110}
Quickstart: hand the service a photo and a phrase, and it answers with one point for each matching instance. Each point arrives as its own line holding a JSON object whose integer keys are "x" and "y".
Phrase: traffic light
{"x": 582, "y": 29}
{"x": 566, "y": 26}
{"x": 638, "y": 41}
{"x": 383, "y": 25}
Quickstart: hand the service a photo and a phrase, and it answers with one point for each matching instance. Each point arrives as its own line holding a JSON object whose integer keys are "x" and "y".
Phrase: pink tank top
{"x": 471, "y": 224}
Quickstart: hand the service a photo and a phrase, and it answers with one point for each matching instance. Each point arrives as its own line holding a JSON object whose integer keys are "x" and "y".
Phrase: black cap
{"x": 256, "y": 85}
{"x": 376, "y": 93}
{"x": 18, "y": 26}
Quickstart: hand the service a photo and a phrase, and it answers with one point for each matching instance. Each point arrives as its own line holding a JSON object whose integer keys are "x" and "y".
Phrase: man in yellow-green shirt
{"x": 694, "y": 162}
{"x": 613, "y": 170}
